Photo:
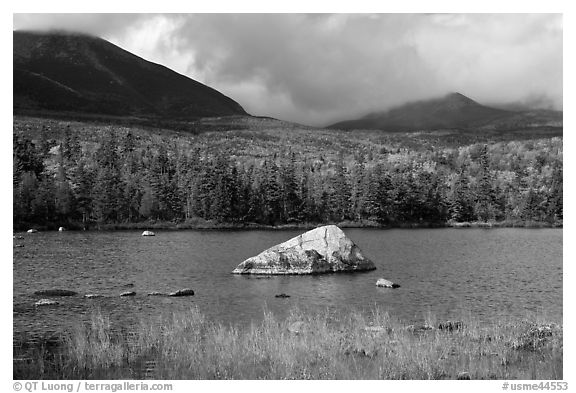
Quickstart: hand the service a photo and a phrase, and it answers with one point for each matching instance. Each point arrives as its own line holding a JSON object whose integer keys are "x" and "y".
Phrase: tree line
{"x": 122, "y": 178}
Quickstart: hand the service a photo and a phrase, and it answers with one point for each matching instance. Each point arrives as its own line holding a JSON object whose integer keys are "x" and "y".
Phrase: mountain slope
{"x": 453, "y": 111}
{"x": 59, "y": 71}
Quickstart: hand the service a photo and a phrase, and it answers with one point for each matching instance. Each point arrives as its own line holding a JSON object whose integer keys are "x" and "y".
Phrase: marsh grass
{"x": 305, "y": 345}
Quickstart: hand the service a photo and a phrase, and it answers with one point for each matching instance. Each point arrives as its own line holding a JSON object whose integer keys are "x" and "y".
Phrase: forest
{"x": 80, "y": 174}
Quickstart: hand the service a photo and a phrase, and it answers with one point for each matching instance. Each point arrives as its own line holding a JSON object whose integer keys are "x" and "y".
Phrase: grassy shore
{"x": 303, "y": 346}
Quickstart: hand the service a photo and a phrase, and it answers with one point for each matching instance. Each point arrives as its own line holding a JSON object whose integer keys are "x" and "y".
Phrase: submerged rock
{"x": 55, "y": 292}
{"x": 182, "y": 292}
{"x": 128, "y": 293}
{"x": 46, "y": 302}
{"x": 148, "y": 233}
{"x": 156, "y": 293}
{"x": 92, "y": 295}
{"x": 322, "y": 250}
{"x": 383, "y": 283}
{"x": 282, "y": 295}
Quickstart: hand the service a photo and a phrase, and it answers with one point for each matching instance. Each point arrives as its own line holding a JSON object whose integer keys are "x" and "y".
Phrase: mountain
{"x": 453, "y": 111}
{"x": 61, "y": 72}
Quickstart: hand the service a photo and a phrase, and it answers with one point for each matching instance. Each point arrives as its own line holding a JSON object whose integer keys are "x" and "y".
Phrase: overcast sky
{"x": 317, "y": 69}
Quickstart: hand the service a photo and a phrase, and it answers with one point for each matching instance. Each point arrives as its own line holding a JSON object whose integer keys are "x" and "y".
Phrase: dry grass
{"x": 303, "y": 346}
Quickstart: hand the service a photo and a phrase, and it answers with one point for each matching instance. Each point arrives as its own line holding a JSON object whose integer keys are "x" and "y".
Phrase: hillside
{"x": 453, "y": 111}
{"x": 266, "y": 172}
{"x": 58, "y": 72}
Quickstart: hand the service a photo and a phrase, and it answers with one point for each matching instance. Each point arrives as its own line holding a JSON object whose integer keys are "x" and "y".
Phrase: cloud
{"x": 320, "y": 68}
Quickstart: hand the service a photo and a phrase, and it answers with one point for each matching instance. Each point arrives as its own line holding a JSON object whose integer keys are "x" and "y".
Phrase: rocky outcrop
{"x": 55, "y": 292}
{"x": 322, "y": 250}
{"x": 383, "y": 283}
{"x": 182, "y": 292}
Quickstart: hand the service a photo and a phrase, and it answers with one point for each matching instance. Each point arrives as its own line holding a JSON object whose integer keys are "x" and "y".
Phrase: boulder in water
{"x": 383, "y": 283}
{"x": 182, "y": 292}
{"x": 128, "y": 293}
{"x": 55, "y": 292}
{"x": 61, "y": 229}
{"x": 325, "y": 249}
{"x": 148, "y": 233}
{"x": 32, "y": 230}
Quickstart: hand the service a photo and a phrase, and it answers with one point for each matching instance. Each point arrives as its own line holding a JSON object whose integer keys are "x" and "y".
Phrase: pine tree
{"x": 461, "y": 207}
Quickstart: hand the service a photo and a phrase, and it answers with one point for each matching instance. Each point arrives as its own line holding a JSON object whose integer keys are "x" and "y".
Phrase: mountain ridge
{"x": 451, "y": 111}
{"x": 64, "y": 71}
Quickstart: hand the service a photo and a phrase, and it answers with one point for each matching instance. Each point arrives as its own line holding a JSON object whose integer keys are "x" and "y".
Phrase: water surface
{"x": 491, "y": 274}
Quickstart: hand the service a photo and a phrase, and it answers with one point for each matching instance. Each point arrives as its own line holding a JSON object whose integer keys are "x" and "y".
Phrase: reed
{"x": 305, "y": 345}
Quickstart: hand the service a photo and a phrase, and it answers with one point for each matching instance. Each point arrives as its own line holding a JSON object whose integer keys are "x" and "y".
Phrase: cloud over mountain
{"x": 319, "y": 69}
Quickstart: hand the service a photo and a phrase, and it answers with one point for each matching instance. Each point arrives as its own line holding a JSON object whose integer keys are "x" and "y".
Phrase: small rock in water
{"x": 182, "y": 292}
{"x": 92, "y": 295}
{"x": 377, "y": 329}
{"x": 419, "y": 329}
{"x": 148, "y": 233}
{"x": 55, "y": 292}
{"x": 463, "y": 376}
{"x": 32, "y": 230}
{"x": 296, "y": 327}
{"x": 128, "y": 293}
{"x": 383, "y": 283}
{"x": 282, "y": 295}
{"x": 45, "y": 302}
{"x": 450, "y": 326}
{"x": 155, "y": 293}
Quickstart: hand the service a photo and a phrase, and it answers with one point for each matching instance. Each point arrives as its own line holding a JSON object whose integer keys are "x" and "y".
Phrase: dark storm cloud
{"x": 321, "y": 68}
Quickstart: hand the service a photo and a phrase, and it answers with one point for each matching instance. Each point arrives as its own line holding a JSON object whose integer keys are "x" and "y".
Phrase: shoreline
{"x": 216, "y": 226}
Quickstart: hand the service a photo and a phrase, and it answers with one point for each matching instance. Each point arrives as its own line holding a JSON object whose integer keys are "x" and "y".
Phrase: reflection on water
{"x": 490, "y": 273}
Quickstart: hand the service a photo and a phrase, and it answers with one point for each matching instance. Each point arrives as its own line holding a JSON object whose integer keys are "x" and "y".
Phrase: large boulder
{"x": 322, "y": 250}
